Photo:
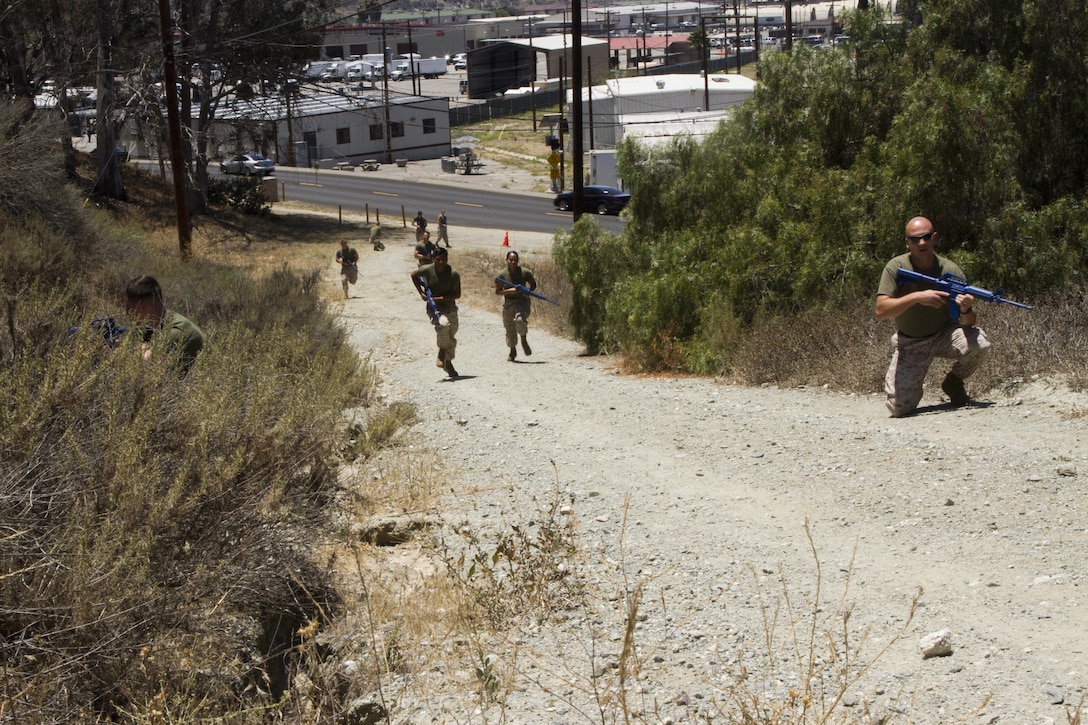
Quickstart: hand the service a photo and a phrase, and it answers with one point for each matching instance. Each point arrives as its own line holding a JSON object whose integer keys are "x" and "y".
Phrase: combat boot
{"x": 954, "y": 389}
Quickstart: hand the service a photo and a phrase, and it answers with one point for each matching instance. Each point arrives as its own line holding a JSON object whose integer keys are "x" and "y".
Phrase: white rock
{"x": 936, "y": 644}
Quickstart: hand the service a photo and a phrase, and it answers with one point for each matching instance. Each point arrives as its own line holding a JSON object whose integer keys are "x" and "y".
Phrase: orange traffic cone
{"x": 506, "y": 240}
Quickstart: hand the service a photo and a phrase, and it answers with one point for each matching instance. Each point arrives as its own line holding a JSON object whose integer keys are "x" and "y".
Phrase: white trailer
{"x": 427, "y": 67}
{"x": 315, "y": 68}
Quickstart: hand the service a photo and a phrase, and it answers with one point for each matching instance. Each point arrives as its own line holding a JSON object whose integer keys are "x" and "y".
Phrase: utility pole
{"x": 287, "y": 89}
{"x": 532, "y": 73}
{"x": 589, "y": 85}
{"x": 736, "y": 24}
{"x": 644, "y": 51}
{"x": 666, "y": 32}
{"x": 562, "y": 146}
{"x": 385, "y": 98}
{"x": 789, "y": 26}
{"x": 412, "y": 59}
{"x": 576, "y": 105}
{"x": 177, "y": 163}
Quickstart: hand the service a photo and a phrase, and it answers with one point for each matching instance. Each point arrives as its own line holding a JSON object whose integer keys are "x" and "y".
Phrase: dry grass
{"x": 848, "y": 349}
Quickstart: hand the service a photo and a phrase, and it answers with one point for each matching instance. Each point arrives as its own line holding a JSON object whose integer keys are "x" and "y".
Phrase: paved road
{"x": 471, "y": 204}
{"x": 500, "y": 198}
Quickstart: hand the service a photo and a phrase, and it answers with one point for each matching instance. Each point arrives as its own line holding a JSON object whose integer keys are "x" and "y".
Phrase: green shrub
{"x": 244, "y": 193}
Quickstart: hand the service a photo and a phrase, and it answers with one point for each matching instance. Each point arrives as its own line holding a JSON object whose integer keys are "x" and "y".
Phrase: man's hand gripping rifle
{"x": 954, "y": 286}
{"x": 437, "y": 318}
{"x": 524, "y": 290}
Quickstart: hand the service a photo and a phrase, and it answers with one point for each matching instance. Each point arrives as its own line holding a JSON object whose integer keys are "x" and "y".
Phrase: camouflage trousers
{"x": 912, "y": 357}
{"x": 446, "y": 335}
{"x": 515, "y": 318}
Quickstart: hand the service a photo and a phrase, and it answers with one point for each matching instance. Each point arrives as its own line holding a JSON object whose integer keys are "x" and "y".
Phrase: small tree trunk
{"x": 108, "y": 182}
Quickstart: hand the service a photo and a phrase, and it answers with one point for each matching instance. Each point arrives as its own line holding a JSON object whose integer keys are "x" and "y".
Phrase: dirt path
{"x": 984, "y": 508}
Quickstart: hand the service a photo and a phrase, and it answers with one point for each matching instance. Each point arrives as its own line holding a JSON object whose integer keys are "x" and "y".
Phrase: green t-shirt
{"x": 427, "y": 250}
{"x": 919, "y": 320}
{"x": 520, "y": 276}
{"x": 183, "y": 338}
{"x": 347, "y": 257}
{"x": 441, "y": 285}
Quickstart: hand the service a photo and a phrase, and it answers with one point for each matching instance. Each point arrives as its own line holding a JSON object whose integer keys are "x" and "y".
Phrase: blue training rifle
{"x": 524, "y": 290}
{"x": 344, "y": 260}
{"x": 112, "y": 332}
{"x": 432, "y": 307}
{"x": 953, "y": 285}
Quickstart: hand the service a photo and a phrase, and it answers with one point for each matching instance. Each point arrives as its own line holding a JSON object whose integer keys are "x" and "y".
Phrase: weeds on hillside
{"x": 155, "y": 528}
{"x": 797, "y": 671}
{"x": 527, "y": 567}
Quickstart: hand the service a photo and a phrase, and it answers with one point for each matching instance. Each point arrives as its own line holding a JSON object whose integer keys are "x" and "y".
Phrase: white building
{"x": 326, "y": 128}
{"x": 658, "y": 106}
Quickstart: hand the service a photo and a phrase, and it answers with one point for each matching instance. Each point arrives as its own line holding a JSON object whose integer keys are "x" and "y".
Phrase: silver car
{"x": 247, "y": 165}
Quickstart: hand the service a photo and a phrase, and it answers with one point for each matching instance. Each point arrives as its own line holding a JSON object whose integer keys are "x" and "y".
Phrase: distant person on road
{"x": 144, "y": 303}
{"x": 443, "y": 230}
{"x": 425, "y": 250}
{"x": 445, "y": 287}
{"x": 420, "y": 225}
{"x": 349, "y": 265}
{"x": 376, "y": 236}
{"x": 516, "y": 305}
{"x": 923, "y": 327}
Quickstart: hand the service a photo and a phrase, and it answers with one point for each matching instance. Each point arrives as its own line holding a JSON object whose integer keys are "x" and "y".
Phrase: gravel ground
{"x": 691, "y": 497}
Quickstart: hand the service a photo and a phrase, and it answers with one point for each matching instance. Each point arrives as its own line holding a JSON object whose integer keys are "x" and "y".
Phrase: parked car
{"x": 460, "y": 61}
{"x": 247, "y": 165}
{"x": 119, "y": 151}
{"x": 599, "y": 199}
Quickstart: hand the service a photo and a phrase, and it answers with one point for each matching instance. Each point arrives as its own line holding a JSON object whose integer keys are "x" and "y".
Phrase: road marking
{"x": 309, "y": 183}
{"x": 465, "y": 203}
{"x": 385, "y": 193}
{"x": 557, "y": 213}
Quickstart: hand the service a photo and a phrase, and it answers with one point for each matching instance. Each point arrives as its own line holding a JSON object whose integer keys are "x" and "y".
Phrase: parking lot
{"x": 447, "y": 85}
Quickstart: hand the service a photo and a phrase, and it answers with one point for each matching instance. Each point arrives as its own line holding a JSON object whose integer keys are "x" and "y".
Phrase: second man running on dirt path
{"x": 445, "y": 287}
{"x": 516, "y": 306}
{"x": 419, "y": 223}
{"x": 443, "y": 229}
{"x": 424, "y": 251}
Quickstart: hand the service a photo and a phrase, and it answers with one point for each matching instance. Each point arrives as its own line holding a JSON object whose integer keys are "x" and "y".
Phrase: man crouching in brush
{"x": 144, "y": 303}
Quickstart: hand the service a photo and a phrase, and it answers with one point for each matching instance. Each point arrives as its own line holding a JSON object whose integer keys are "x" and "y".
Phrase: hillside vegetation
{"x": 158, "y": 532}
{"x": 790, "y": 210}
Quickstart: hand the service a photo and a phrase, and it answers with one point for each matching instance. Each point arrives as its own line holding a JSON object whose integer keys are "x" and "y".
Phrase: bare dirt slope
{"x": 984, "y": 508}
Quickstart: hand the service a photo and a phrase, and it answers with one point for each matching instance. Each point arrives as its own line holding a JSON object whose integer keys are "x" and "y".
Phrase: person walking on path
{"x": 444, "y": 285}
{"x": 420, "y": 225}
{"x": 923, "y": 327}
{"x": 424, "y": 252}
{"x": 516, "y": 305}
{"x": 443, "y": 230}
{"x": 349, "y": 265}
{"x": 144, "y": 303}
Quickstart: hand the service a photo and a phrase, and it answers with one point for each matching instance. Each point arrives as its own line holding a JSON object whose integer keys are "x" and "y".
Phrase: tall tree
{"x": 234, "y": 48}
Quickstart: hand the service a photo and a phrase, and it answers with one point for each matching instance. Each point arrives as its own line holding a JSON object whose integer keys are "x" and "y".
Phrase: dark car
{"x": 120, "y": 152}
{"x": 599, "y": 199}
{"x": 247, "y": 165}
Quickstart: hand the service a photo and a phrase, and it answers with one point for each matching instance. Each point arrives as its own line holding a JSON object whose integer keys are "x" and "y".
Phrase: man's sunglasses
{"x": 921, "y": 237}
